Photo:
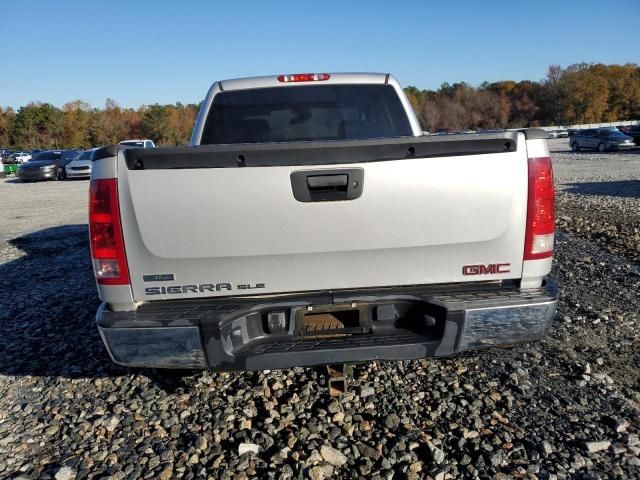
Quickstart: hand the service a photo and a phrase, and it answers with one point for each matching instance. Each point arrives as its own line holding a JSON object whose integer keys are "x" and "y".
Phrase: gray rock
{"x": 333, "y": 456}
{"x": 367, "y": 451}
{"x": 66, "y": 473}
{"x": 497, "y": 458}
{"x": 111, "y": 423}
{"x": 321, "y": 472}
{"x": 201, "y": 443}
{"x": 392, "y": 421}
{"x": 633, "y": 439}
{"x": 248, "y": 448}
{"x": 597, "y": 446}
{"x": 621, "y": 425}
{"x": 437, "y": 454}
{"x": 366, "y": 392}
{"x": 578, "y": 462}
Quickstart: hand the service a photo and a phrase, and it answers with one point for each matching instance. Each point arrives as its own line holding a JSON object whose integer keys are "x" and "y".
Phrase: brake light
{"x": 304, "y": 77}
{"x": 540, "y": 210}
{"x": 105, "y": 233}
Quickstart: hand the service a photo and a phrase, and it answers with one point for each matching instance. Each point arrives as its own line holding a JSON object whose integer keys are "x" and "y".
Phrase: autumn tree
{"x": 7, "y": 118}
{"x": 112, "y": 125}
{"x": 75, "y": 124}
{"x": 585, "y": 95}
{"x": 182, "y": 118}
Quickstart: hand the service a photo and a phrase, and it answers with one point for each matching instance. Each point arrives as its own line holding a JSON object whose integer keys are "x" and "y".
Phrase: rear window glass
{"x": 304, "y": 113}
{"x": 616, "y": 133}
{"x": 70, "y": 154}
{"x": 132, "y": 144}
{"x": 48, "y": 156}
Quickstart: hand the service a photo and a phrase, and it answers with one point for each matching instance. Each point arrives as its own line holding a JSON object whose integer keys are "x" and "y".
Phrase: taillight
{"x": 105, "y": 233}
{"x": 540, "y": 210}
{"x": 304, "y": 77}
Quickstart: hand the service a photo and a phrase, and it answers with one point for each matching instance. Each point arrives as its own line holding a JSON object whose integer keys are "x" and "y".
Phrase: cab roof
{"x": 273, "y": 80}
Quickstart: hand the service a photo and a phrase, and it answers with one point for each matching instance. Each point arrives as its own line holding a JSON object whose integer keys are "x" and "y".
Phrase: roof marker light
{"x": 304, "y": 77}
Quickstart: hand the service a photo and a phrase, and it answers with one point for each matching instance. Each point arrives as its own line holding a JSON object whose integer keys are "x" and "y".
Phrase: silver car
{"x": 80, "y": 167}
{"x": 602, "y": 140}
{"x": 560, "y": 133}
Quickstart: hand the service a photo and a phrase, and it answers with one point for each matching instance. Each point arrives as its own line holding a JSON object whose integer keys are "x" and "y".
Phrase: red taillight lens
{"x": 304, "y": 77}
{"x": 540, "y": 210}
{"x": 105, "y": 233}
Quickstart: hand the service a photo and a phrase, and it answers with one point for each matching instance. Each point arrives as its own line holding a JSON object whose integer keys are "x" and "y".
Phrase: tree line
{"x": 580, "y": 93}
{"x": 78, "y": 125}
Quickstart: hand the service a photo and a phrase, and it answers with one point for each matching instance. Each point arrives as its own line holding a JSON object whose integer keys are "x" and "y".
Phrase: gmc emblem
{"x": 490, "y": 269}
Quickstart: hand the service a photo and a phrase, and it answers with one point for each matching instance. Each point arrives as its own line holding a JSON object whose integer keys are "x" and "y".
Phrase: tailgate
{"x": 203, "y": 222}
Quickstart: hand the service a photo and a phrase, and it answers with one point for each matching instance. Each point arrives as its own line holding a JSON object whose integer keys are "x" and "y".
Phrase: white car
{"x": 80, "y": 167}
{"x": 20, "y": 157}
{"x": 552, "y": 134}
{"x": 139, "y": 143}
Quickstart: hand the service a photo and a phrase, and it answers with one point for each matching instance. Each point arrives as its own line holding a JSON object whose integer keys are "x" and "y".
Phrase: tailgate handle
{"x": 337, "y": 182}
{"x": 327, "y": 185}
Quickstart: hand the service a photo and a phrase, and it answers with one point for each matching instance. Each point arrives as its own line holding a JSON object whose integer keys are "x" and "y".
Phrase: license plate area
{"x": 329, "y": 321}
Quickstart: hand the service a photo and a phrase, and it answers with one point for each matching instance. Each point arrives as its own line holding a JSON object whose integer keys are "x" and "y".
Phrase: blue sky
{"x": 142, "y": 52}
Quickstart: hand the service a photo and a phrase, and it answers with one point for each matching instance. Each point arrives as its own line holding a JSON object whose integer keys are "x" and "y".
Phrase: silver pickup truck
{"x": 311, "y": 222}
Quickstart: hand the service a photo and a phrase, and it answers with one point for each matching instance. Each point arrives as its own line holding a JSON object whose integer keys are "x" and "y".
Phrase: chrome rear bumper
{"x": 402, "y": 324}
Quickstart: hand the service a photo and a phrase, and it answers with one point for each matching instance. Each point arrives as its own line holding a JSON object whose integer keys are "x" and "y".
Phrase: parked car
{"x": 634, "y": 132}
{"x": 562, "y": 133}
{"x": 19, "y": 157}
{"x": 386, "y": 256}
{"x": 139, "y": 143}
{"x": 558, "y": 133}
{"x": 5, "y": 152}
{"x": 80, "y": 167}
{"x": 602, "y": 140}
{"x": 46, "y": 165}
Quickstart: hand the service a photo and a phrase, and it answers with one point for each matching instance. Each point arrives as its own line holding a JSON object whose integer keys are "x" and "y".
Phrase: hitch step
{"x": 338, "y": 378}
{"x": 332, "y": 321}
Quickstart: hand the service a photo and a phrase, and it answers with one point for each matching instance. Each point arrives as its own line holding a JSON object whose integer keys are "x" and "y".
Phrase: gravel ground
{"x": 565, "y": 407}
